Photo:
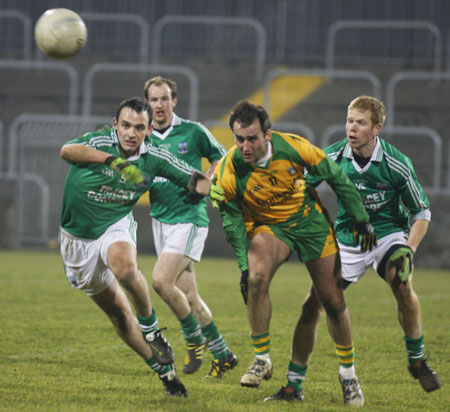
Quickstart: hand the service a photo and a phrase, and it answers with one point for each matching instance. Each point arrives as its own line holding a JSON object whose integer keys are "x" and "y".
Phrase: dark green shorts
{"x": 311, "y": 239}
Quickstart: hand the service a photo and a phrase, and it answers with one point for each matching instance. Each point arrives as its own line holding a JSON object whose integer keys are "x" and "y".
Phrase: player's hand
{"x": 128, "y": 170}
{"x": 402, "y": 259}
{"x": 244, "y": 285}
{"x": 216, "y": 195}
{"x": 367, "y": 233}
{"x": 191, "y": 198}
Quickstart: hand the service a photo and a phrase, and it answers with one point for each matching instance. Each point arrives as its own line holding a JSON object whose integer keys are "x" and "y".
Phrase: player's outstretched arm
{"x": 79, "y": 153}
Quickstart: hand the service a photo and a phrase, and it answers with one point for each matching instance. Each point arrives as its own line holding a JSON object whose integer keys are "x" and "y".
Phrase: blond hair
{"x": 375, "y": 106}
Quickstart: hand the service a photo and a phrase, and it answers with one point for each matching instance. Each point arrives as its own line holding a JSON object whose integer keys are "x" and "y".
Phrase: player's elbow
{"x": 64, "y": 152}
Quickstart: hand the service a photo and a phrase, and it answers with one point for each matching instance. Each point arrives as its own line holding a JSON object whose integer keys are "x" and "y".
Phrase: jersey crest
{"x": 182, "y": 147}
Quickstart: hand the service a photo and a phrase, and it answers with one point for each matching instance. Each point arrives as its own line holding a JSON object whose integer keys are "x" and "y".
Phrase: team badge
{"x": 292, "y": 171}
{"x": 182, "y": 147}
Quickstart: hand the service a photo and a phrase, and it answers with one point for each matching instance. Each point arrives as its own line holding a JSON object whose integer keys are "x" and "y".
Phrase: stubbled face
{"x": 162, "y": 104}
{"x": 131, "y": 128}
{"x": 361, "y": 132}
{"x": 251, "y": 141}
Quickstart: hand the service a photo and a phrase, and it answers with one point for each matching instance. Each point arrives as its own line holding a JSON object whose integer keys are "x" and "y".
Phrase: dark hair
{"x": 245, "y": 113}
{"x": 138, "y": 104}
{"x": 159, "y": 81}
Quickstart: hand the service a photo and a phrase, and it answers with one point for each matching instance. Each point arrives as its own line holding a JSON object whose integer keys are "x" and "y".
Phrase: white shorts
{"x": 180, "y": 238}
{"x": 85, "y": 260}
{"x": 355, "y": 263}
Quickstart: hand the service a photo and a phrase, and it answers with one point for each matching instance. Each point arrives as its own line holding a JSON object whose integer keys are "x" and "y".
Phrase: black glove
{"x": 367, "y": 233}
{"x": 192, "y": 198}
{"x": 244, "y": 284}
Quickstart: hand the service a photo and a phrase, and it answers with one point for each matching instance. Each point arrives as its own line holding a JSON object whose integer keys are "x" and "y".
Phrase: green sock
{"x": 191, "y": 329}
{"x": 261, "y": 343}
{"x": 216, "y": 343}
{"x": 415, "y": 349}
{"x": 157, "y": 367}
{"x": 148, "y": 325}
{"x": 296, "y": 374}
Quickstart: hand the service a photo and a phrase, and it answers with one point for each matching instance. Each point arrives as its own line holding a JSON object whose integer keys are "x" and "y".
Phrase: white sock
{"x": 347, "y": 373}
{"x": 265, "y": 358}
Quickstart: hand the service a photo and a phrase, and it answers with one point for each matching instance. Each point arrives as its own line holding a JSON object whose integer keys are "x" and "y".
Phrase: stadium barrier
{"x": 1, "y": 146}
{"x": 9, "y": 36}
{"x": 50, "y": 66}
{"x": 245, "y": 22}
{"x": 140, "y": 68}
{"x": 382, "y": 25}
{"x": 407, "y": 76}
{"x": 37, "y": 140}
{"x": 331, "y": 74}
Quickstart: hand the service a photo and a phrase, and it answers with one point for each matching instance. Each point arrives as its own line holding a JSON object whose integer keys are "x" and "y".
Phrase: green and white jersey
{"x": 95, "y": 196}
{"x": 189, "y": 141}
{"x": 388, "y": 186}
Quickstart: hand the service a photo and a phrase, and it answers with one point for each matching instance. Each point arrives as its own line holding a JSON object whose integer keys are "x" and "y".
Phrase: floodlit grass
{"x": 58, "y": 352}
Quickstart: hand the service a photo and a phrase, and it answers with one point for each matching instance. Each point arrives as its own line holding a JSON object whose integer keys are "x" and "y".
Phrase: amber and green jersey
{"x": 278, "y": 193}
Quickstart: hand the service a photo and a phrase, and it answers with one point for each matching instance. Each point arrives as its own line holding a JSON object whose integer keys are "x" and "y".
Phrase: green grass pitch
{"x": 58, "y": 351}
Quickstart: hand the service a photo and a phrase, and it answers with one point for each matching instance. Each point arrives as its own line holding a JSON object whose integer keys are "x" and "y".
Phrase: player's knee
{"x": 311, "y": 310}
{"x": 192, "y": 298}
{"x": 158, "y": 284}
{"x": 334, "y": 305}
{"x": 402, "y": 291}
{"x": 125, "y": 271}
{"x": 258, "y": 282}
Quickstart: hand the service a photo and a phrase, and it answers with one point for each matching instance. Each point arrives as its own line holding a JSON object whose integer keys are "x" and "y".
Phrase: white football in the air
{"x": 60, "y": 33}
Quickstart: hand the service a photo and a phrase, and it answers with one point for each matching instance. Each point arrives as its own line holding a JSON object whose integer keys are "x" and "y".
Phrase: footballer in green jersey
{"x": 110, "y": 169}
{"x": 191, "y": 142}
{"x": 400, "y": 213}
{"x": 180, "y": 227}
{"x": 388, "y": 186}
{"x": 102, "y": 195}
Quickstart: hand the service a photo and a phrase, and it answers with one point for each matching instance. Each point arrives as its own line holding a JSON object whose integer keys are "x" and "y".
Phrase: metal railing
{"x": 338, "y": 74}
{"x": 26, "y": 22}
{"x": 144, "y": 43}
{"x": 37, "y": 135}
{"x": 448, "y": 51}
{"x": 404, "y": 76}
{"x": 299, "y": 128}
{"x": 36, "y": 140}
{"x": 47, "y": 65}
{"x": 1, "y": 146}
{"x": 215, "y": 21}
{"x": 141, "y": 68}
{"x": 43, "y": 217}
{"x": 382, "y": 25}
